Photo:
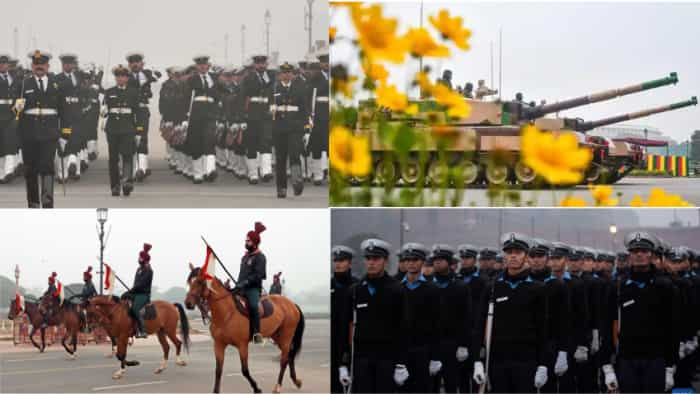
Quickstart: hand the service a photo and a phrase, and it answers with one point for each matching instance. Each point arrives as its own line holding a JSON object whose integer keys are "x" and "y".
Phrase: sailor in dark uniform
{"x": 257, "y": 88}
{"x": 89, "y": 95}
{"x": 69, "y": 85}
{"x": 689, "y": 305}
{"x": 487, "y": 263}
{"x": 9, "y": 144}
{"x": 141, "y": 79}
{"x": 341, "y": 283}
{"x": 250, "y": 276}
{"x": 201, "y": 136}
{"x": 318, "y": 139}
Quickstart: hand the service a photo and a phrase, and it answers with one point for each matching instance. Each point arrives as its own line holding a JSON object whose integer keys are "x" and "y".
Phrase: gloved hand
{"x": 103, "y": 111}
{"x": 138, "y": 140}
{"x": 681, "y": 351}
{"x": 19, "y": 105}
{"x": 62, "y": 142}
{"x": 462, "y": 353}
{"x": 670, "y": 371}
{"x": 244, "y": 126}
{"x": 311, "y": 123}
{"x": 305, "y": 138}
{"x": 434, "y": 367}
{"x": 540, "y": 376}
{"x": 581, "y": 354}
{"x": 595, "y": 342}
{"x": 610, "y": 378}
{"x": 400, "y": 374}
{"x": 344, "y": 376}
{"x": 479, "y": 375}
{"x": 561, "y": 365}
{"x": 691, "y": 345}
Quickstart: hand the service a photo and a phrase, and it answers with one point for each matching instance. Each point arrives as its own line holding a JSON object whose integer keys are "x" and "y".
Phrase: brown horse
{"x": 65, "y": 313}
{"x": 114, "y": 317}
{"x": 36, "y": 319}
{"x": 229, "y": 327}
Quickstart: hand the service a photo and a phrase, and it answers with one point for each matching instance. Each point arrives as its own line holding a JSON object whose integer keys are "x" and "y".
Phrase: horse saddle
{"x": 148, "y": 312}
{"x": 265, "y": 307}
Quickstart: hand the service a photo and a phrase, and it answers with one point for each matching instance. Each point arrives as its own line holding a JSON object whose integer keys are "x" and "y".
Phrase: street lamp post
{"x": 268, "y": 20}
{"x": 243, "y": 44}
{"x": 101, "y": 219}
{"x": 613, "y": 233}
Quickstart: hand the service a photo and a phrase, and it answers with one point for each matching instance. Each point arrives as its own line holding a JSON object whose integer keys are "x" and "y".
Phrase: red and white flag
{"x": 59, "y": 291}
{"x": 109, "y": 280}
{"x": 209, "y": 267}
{"x": 19, "y": 302}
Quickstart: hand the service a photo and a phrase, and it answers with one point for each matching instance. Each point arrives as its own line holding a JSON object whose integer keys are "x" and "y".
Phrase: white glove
{"x": 219, "y": 126}
{"x": 400, "y": 374}
{"x": 581, "y": 354}
{"x": 62, "y": 142}
{"x": 138, "y": 140}
{"x": 311, "y": 122}
{"x": 103, "y": 111}
{"x": 595, "y": 342}
{"x": 681, "y": 351}
{"x": 344, "y": 376}
{"x": 305, "y": 138}
{"x": 462, "y": 353}
{"x": 244, "y": 126}
{"x": 19, "y": 105}
{"x": 540, "y": 376}
{"x": 185, "y": 124}
{"x": 479, "y": 375}
{"x": 669, "y": 378}
{"x": 561, "y": 365}
{"x": 434, "y": 367}
{"x": 691, "y": 345}
{"x": 610, "y": 378}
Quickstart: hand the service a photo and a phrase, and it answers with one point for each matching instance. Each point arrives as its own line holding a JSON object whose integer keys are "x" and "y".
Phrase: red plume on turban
{"x": 254, "y": 235}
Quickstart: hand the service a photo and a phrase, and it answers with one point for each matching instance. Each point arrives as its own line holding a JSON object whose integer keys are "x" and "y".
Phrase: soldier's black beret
{"x": 539, "y": 246}
{"x": 515, "y": 241}
{"x": 342, "y": 252}
{"x": 641, "y": 240}
{"x": 443, "y": 251}
{"x": 374, "y": 247}
{"x": 413, "y": 250}
{"x": 560, "y": 249}
{"x": 39, "y": 57}
{"x": 467, "y": 250}
{"x": 488, "y": 253}
{"x": 133, "y": 57}
{"x": 68, "y": 58}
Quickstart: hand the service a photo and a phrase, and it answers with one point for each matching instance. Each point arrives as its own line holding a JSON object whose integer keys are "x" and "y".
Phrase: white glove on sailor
{"x": 434, "y": 367}
{"x": 19, "y": 105}
{"x": 305, "y": 138}
{"x": 610, "y": 378}
{"x": 462, "y": 353}
{"x": 540, "y": 376}
{"x": 581, "y": 354}
{"x": 185, "y": 124}
{"x": 400, "y": 374}
{"x": 669, "y": 378}
{"x": 138, "y": 140}
{"x": 62, "y": 142}
{"x": 344, "y": 376}
{"x": 479, "y": 375}
{"x": 244, "y": 126}
{"x": 682, "y": 351}
{"x": 311, "y": 122}
{"x": 595, "y": 342}
{"x": 561, "y": 365}
{"x": 103, "y": 111}
{"x": 692, "y": 345}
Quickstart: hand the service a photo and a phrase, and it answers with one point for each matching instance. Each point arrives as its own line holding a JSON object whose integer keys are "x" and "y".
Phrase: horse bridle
{"x": 201, "y": 298}
{"x": 101, "y": 316}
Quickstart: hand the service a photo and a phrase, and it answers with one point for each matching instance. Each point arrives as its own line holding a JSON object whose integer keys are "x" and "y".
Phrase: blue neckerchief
{"x": 549, "y": 278}
{"x": 439, "y": 284}
{"x": 640, "y": 285}
{"x": 687, "y": 275}
{"x": 514, "y": 285}
{"x": 413, "y": 285}
{"x": 566, "y": 276}
{"x": 692, "y": 273}
{"x": 595, "y": 275}
{"x": 468, "y": 278}
{"x": 370, "y": 288}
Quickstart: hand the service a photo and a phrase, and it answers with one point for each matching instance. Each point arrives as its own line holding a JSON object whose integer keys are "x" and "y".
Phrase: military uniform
{"x": 141, "y": 79}
{"x": 233, "y": 111}
{"x": 9, "y": 144}
{"x": 89, "y": 96}
{"x": 201, "y": 135}
{"x": 173, "y": 104}
{"x": 341, "y": 283}
{"x": 250, "y": 276}
{"x": 69, "y": 86}
{"x": 141, "y": 290}
{"x": 318, "y": 141}
{"x": 50, "y": 292}
{"x": 257, "y": 89}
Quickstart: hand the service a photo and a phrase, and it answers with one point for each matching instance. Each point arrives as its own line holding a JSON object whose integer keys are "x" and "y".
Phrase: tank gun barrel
{"x": 586, "y": 126}
{"x": 544, "y": 109}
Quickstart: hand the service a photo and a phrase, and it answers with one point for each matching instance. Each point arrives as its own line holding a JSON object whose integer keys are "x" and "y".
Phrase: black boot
{"x": 141, "y": 332}
{"x": 281, "y": 193}
{"x": 297, "y": 179}
{"x": 47, "y": 191}
{"x": 33, "y": 192}
{"x": 128, "y": 183}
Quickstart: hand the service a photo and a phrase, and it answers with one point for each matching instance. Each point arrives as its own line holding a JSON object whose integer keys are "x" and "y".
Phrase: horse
{"x": 31, "y": 308}
{"x": 114, "y": 317}
{"x": 230, "y": 327}
{"x": 67, "y": 314}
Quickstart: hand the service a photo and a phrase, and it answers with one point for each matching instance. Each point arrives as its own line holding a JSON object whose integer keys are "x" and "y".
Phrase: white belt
{"x": 143, "y": 105}
{"x": 322, "y": 99}
{"x": 73, "y": 100}
{"x": 205, "y": 99}
{"x": 284, "y": 108}
{"x": 258, "y": 99}
{"x": 6, "y": 102}
{"x": 41, "y": 111}
{"x": 120, "y": 111}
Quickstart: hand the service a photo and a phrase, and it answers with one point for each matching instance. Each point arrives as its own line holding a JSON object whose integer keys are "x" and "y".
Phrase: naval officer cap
{"x": 443, "y": 251}
{"x": 375, "y": 247}
{"x": 678, "y": 254}
{"x": 259, "y": 59}
{"x": 560, "y": 249}
{"x": 622, "y": 256}
{"x": 201, "y": 59}
{"x": 342, "y": 252}
{"x": 68, "y": 58}
{"x": 641, "y": 240}
{"x": 466, "y": 251}
{"x": 488, "y": 254}
{"x": 134, "y": 57}
{"x": 413, "y": 250}
{"x": 39, "y": 57}
{"x": 540, "y": 247}
{"x": 515, "y": 241}
{"x": 692, "y": 254}
{"x": 120, "y": 71}
{"x": 5, "y": 58}
{"x": 286, "y": 67}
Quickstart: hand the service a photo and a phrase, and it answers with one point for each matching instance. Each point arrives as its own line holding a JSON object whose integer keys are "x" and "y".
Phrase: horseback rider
{"x": 50, "y": 292}
{"x": 276, "y": 287}
{"x": 250, "y": 277}
{"x": 141, "y": 290}
{"x": 87, "y": 293}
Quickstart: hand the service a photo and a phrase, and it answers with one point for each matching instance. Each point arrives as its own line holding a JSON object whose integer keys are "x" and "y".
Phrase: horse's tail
{"x": 298, "y": 334}
{"x": 184, "y": 327}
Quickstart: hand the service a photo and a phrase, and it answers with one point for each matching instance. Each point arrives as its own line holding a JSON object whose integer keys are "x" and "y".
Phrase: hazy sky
{"x": 168, "y": 32}
{"x": 556, "y": 51}
{"x": 296, "y": 242}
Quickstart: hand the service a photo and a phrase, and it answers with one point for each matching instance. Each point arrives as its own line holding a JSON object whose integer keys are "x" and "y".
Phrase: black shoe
{"x": 140, "y": 176}
{"x": 267, "y": 178}
{"x": 318, "y": 183}
{"x": 172, "y": 166}
{"x": 75, "y": 177}
{"x": 253, "y": 181}
{"x": 92, "y": 156}
{"x": 72, "y": 170}
{"x": 116, "y": 191}
{"x": 213, "y": 175}
{"x": 196, "y": 181}
{"x": 148, "y": 172}
{"x": 140, "y": 332}
{"x": 47, "y": 191}
{"x": 298, "y": 188}
{"x": 83, "y": 166}
{"x": 127, "y": 188}
{"x": 282, "y": 193}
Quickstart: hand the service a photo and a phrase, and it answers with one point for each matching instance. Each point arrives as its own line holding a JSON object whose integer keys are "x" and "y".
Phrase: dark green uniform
{"x": 250, "y": 277}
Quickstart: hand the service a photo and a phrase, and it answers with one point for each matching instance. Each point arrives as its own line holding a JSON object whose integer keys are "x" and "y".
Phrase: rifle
{"x": 489, "y": 328}
{"x": 352, "y": 340}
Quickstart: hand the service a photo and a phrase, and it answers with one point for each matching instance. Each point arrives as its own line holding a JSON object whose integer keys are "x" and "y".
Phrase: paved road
{"x": 27, "y": 370}
{"x": 688, "y": 188}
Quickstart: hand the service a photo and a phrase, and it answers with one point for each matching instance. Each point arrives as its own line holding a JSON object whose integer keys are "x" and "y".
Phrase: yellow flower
{"x": 423, "y": 81}
{"x": 331, "y": 33}
{"x": 572, "y": 202}
{"x": 457, "y": 107}
{"x": 451, "y": 28}
{"x": 601, "y": 194}
{"x": 659, "y": 198}
{"x": 375, "y": 71}
{"x": 558, "y": 159}
{"x": 422, "y": 44}
{"x": 389, "y": 97}
{"x": 377, "y": 35}
{"x": 349, "y": 154}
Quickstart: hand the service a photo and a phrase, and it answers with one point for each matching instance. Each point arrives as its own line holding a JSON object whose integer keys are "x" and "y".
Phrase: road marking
{"x": 30, "y": 359}
{"x": 35, "y": 371}
{"x": 122, "y": 386}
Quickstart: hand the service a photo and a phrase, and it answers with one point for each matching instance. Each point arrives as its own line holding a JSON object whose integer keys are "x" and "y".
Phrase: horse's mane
{"x": 195, "y": 272}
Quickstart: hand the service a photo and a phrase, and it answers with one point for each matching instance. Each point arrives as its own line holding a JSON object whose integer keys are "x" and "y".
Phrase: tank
{"x": 484, "y": 146}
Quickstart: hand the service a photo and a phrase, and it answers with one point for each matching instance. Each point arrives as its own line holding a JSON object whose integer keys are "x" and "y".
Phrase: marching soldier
{"x": 482, "y": 90}
{"x": 378, "y": 353}
{"x": 201, "y": 136}
{"x": 233, "y": 112}
{"x": 341, "y": 283}
{"x": 428, "y": 268}
{"x": 8, "y": 131}
{"x": 141, "y": 79}
{"x": 487, "y": 263}
{"x": 167, "y": 107}
{"x": 257, "y": 88}
{"x": 688, "y": 307}
{"x": 317, "y": 145}
{"x": 519, "y": 332}
{"x": 69, "y": 84}
{"x": 89, "y": 96}
{"x": 123, "y": 130}
{"x": 140, "y": 292}
{"x": 40, "y": 108}
{"x": 250, "y": 277}
{"x": 289, "y": 104}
